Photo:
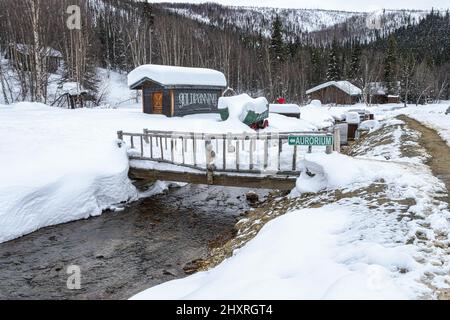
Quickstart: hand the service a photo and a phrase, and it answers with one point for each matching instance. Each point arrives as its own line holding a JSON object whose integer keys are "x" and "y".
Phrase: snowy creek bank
{"x": 374, "y": 228}
{"x": 151, "y": 241}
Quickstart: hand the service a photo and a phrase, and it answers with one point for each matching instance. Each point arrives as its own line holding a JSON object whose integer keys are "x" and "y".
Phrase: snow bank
{"x": 337, "y": 171}
{"x": 281, "y": 123}
{"x": 343, "y": 250}
{"x": 171, "y": 75}
{"x": 57, "y": 167}
{"x": 352, "y": 117}
{"x": 320, "y": 117}
{"x": 303, "y": 264}
{"x": 433, "y": 116}
{"x": 369, "y": 125}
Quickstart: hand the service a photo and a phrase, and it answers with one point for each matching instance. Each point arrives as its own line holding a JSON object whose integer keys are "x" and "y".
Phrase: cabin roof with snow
{"x": 47, "y": 51}
{"x": 171, "y": 76}
{"x": 344, "y": 86}
{"x": 379, "y": 88}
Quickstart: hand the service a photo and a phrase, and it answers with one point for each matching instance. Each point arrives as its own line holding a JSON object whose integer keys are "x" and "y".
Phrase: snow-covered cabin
{"x": 21, "y": 55}
{"x": 177, "y": 91}
{"x": 336, "y": 92}
{"x": 377, "y": 92}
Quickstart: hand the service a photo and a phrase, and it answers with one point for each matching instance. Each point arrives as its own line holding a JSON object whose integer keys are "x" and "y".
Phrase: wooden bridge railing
{"x": 246, "y": 153}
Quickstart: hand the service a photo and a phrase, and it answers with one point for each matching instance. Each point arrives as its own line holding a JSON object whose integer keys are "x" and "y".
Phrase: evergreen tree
{"x": 315, "y": 66}
{"x": 277, "y": 46}
{"x": 390, "y": 66}
{"x": 355, "y": 64}
{"x": 277, "y": 57}
{"x": 333, "y": 72}
{"x": 406, "y": 79}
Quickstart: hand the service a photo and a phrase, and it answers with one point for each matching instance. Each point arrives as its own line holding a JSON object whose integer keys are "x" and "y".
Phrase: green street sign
{"x": 310, "y": 140}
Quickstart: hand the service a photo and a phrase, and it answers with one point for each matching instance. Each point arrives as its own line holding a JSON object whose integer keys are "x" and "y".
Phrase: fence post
{"x": 209, "y": 153}
{"x": 146, "y": 136}
{"x": 120, "y": 135}
{"x": 336, "y": 139}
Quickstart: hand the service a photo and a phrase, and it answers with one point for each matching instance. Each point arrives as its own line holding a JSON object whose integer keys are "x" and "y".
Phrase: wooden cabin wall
{"x": 332, "y": 94}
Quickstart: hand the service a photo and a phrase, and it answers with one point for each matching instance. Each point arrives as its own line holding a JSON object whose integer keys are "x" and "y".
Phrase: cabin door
{"x": 157, "y": 102}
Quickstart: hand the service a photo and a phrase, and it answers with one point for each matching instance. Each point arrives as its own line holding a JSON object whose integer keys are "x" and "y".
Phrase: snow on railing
{"x": 270, "y": 153}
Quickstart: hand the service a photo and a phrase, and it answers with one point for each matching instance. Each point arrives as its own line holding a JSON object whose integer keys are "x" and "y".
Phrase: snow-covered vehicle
{"x": 252, "y": 112}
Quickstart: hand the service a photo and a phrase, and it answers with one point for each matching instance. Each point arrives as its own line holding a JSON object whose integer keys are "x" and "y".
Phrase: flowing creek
{"x": 122, "y": 253}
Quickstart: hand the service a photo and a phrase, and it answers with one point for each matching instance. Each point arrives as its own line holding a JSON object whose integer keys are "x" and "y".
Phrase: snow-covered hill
{"x": 298, "y": 22}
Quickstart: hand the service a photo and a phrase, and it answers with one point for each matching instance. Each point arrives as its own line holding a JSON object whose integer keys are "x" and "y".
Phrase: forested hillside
{"x": 260, "y": 55}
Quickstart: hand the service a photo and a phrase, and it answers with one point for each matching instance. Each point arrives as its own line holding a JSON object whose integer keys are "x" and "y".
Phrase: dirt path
{"x": 438, "y": 150}
{"x": 121, "y": 253}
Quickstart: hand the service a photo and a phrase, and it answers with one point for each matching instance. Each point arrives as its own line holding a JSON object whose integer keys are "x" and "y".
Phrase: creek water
{"x": 121, "y": 253}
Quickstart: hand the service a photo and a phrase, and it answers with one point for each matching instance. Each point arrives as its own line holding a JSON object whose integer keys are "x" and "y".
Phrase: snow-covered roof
{"x": 47, "y": 51}
{"x": 345, "y": 86}
{"x": 176, "y": 76}
{"x": 379, "y": 88}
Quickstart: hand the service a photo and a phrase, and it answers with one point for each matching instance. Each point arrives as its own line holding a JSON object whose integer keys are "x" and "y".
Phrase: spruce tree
{"x": 355, "y": 63}
{"x": 333, "y": 72}
{"x": 390, "y": 66}
{"x": 277, "y": 57}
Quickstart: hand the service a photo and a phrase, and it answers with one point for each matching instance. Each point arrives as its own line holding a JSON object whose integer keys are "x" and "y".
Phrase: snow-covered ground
{"x": 432, "y": 116}
{"x": 384, "y": 237}
{"x": 344, "y": 250}
{"x": 59, "y": 165}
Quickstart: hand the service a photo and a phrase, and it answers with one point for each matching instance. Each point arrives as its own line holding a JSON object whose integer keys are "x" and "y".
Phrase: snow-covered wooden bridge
{"x": 268, "y": 160}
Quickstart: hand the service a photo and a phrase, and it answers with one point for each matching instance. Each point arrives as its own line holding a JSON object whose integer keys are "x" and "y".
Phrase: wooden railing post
{"x": 336, "y": 139}
{"x": 120, "y": 135}
{"x": 209, "y": 153}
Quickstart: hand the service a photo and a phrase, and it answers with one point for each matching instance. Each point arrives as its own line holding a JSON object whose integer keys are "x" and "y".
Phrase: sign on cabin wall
{"x": 310, "y": 140}
{"x": 195, "y": 101}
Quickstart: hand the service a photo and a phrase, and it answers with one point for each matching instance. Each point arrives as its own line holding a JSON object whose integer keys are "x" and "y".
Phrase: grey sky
{"x": 348, "y": 5}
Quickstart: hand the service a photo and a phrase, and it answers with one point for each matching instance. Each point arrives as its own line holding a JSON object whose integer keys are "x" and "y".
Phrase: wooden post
{"x": 142, "y": 147}
{"x": 224, "y": 151}
{"x": 237, "y": 154}
{"x": 194, "y": 148}
{"x": 171, "y": 150}
{"x": 161, "y": 147}
{"x": 120, "y": 135}
{"x": 336, "y": 139}
{"x": 309, "y": 149}
{"x": 151, "y": 147}
{"x": 146, "y": 135}
{"x": 132, "y": 141}
{"x": 280, "y": 149}
{"x": 182, "y": 148}
{"x": 251, "y": 153}
{"x": 266, "y": 151}
{"x": 209, "y": 161}
{"x": 294, "y": 159}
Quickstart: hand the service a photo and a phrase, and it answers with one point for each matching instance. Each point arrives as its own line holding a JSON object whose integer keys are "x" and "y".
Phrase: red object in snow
{"x": 260, "y": 125}
{"x": 281, "y": 100}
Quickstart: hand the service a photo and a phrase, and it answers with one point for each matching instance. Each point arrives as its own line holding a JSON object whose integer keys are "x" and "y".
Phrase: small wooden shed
{"x": 378, "y": 93}
{"x": 177, "y": 91}
{"x": 335, "y": 92}
{"x": 22, "y": 56}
